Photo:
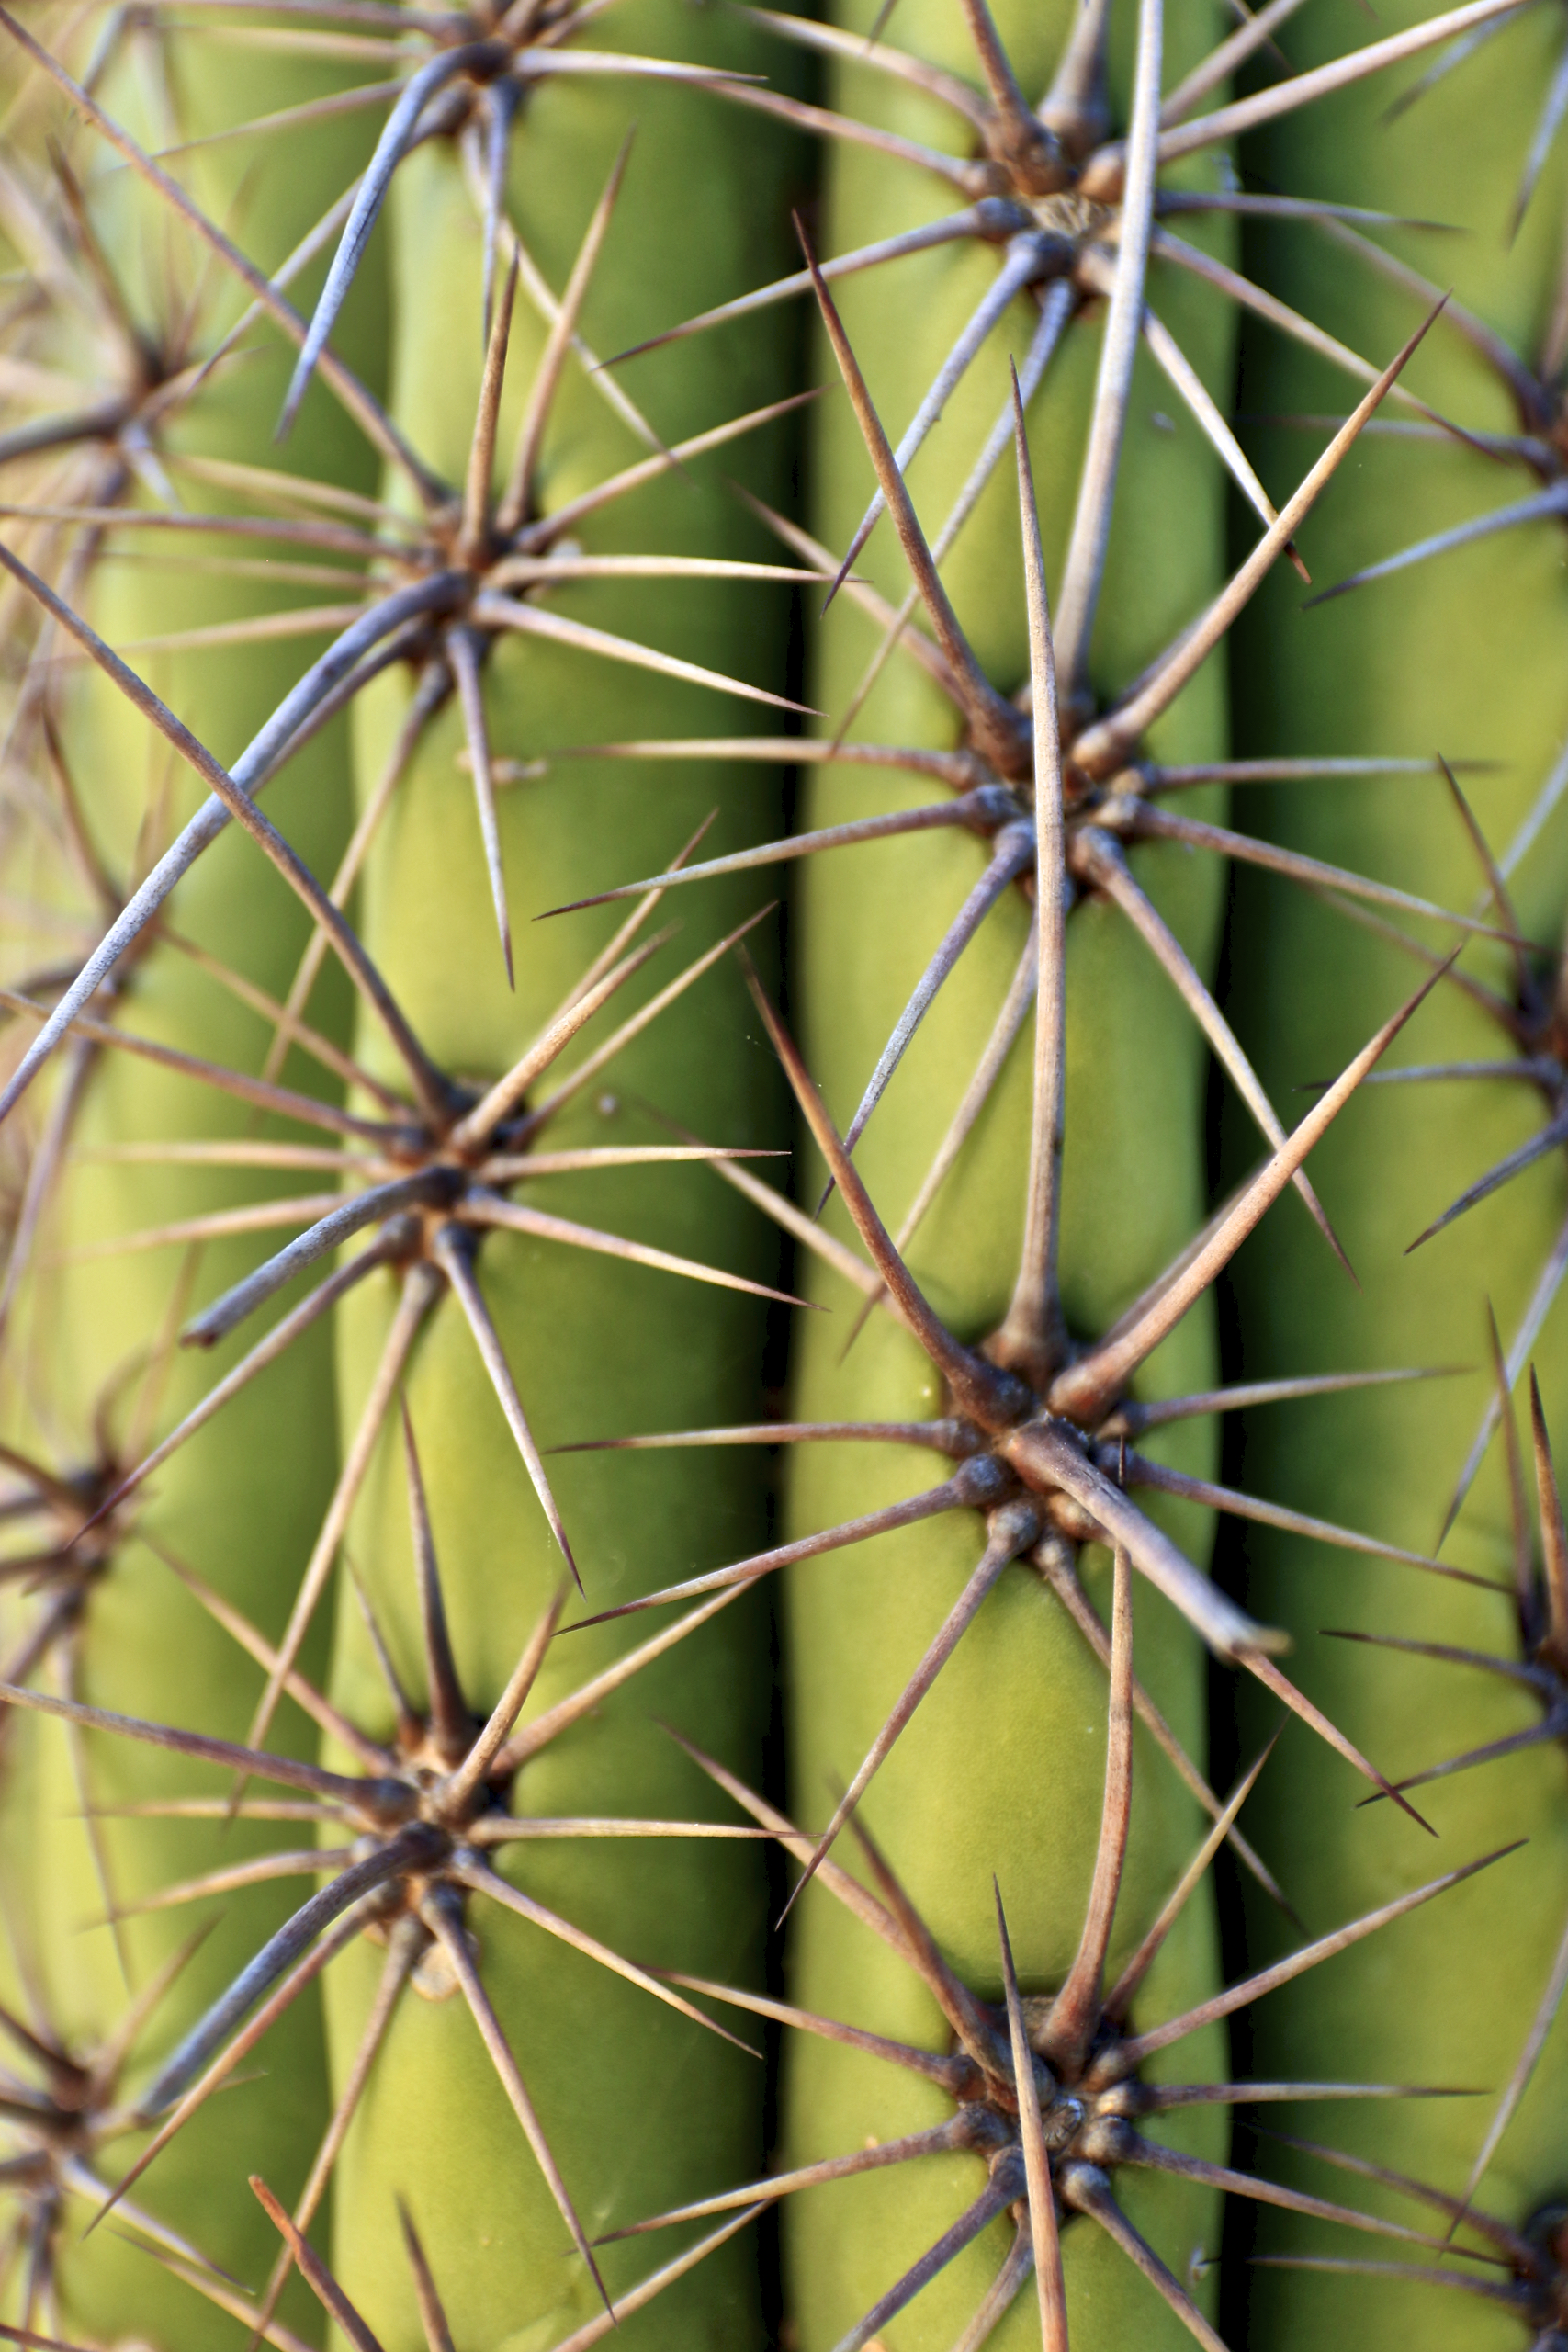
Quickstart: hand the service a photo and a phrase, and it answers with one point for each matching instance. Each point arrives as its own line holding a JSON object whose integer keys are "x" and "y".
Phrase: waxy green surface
{"x": 241, "y": 1505}
{"x": 1461, "y": 655}
{"x": 641, "y": 2108}
{"x": 1001, "y": 1771}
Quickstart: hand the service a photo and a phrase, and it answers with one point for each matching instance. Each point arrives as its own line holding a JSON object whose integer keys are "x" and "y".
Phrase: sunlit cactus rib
{"x": 1524, "y": 2281}
{"x": 134, "y": 308}
{"x": 1020, "y": 1427}
{"x": 427, "y": 1813}
{"x": 1461, "y": 652}
{"x": 1536, "y": 1661}
{"x": 1044, "y": 1500}
{"x": 432, "y": 2313}
{"x": 625, "y": 2103}
{"x": 1048, "y": 2092}
{"x": 444, "y": 1118}
{"x": 995, "y": 1761}
{"x": 68, "y": 2114}
{"x": 421, "y": 1852}
{"x": 1538, "y": 445}
{"x": 433, "y": 1176}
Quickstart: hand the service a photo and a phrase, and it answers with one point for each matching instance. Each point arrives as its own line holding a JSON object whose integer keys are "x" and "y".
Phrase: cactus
{"x": 504, "y": 1385}
{"x": 1431, "y": 541}
{"x": 91, "y": 1336}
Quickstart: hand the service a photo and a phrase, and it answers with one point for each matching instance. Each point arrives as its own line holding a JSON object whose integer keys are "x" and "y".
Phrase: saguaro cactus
{"x": 132, "y": 1153}
{"x": 1452, "y": 640}
{"x": 333, "y": 1548}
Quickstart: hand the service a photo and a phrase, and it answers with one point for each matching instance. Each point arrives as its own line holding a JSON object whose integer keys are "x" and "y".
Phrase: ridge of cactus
{"x": 119, "y": 290}
{"x": 1449, "y": 1155}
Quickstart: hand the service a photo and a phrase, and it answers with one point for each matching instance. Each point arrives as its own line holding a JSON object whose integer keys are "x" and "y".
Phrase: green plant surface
{"x": 1000, "y": 1771}
{"x": 1460, "y": 653}
{"x": 637, "y": 2105}
{"x": 452, "y": 2017}
{"x": 98, "y": 1332}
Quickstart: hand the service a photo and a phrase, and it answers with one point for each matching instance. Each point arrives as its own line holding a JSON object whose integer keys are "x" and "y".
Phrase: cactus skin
{"x": 240, "y": 1504}
{"x": 1001, "y": 1768}
{"x": 1464, "y": 652}
{"x": 638, "y": 2115}
{"x": 638, "y": 2106}
{"x": 847, "y": 2242}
